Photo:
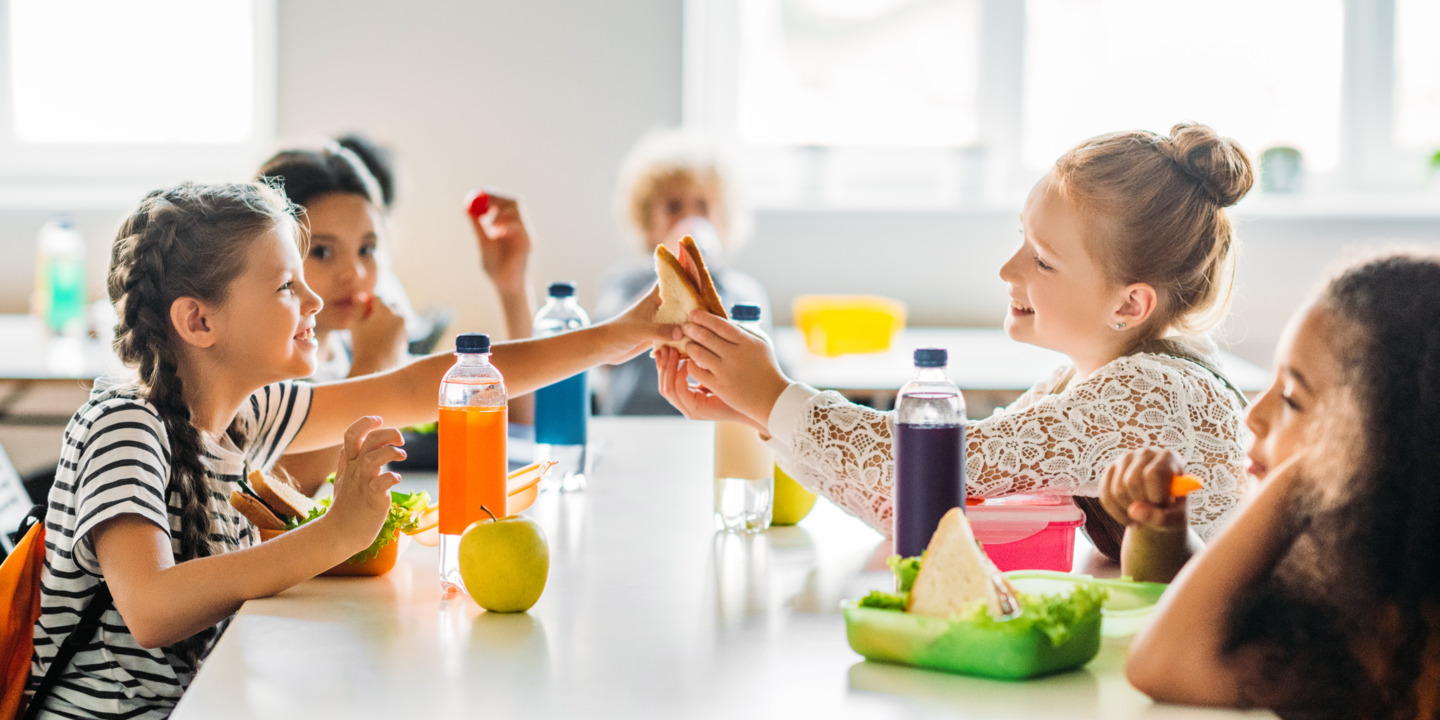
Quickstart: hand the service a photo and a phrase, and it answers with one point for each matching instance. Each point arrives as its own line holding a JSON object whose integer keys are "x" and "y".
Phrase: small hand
{"x": 736, "y": 366}
{"x": 635, "y": 330}
{"x": 504, "y": 240}
{"x": 379, "y": 340}
{"x": 362, "y": 492}
{"x": 694, "y": 402}
{"x": 1135, "y": 490}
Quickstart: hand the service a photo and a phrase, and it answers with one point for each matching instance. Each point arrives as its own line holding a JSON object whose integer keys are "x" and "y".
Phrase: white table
{"x": 648, "y": 613}
{"x": 30, "y": 357}
{"x": 990, "y": 367}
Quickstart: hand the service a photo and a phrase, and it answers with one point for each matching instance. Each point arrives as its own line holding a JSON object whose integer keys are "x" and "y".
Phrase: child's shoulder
{"x": 116, "y": 404}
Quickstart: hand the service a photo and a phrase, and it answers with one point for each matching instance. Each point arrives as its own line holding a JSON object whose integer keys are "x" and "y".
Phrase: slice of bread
{"x": 255, "y": 511}
{"x": 281, "y": 496}
{"x": 685, "y": 285}
{"x": 953, "y": 577}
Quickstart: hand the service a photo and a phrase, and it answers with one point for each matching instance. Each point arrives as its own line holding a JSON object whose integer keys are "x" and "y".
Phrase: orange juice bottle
{"x": 472, "y": 449}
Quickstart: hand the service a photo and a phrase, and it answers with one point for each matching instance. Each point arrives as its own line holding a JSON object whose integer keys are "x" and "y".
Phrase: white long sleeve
{"x": 1046, "y": 442}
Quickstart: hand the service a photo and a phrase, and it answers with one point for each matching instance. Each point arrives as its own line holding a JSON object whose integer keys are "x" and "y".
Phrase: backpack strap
{"x": 79, "y": 637}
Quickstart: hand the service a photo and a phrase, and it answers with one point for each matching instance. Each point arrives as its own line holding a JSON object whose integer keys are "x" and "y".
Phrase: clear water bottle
{"x": 473, "y": 419}
{"x": 562, "y": 410}
{"x": 744, "y": 467}
{"x": 929, "y": 452}
{"x": 59, "y": 299}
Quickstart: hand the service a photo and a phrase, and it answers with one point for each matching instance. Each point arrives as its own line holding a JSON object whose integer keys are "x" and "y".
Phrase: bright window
{"x": 858, "y": 72}
{"x": 1417, "y": 74}
{"x": 133, "y": 72}
{"x": 1266, "y": 73}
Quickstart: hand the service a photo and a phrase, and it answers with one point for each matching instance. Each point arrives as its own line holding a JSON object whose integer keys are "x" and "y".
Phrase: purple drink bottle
{"x": 929, "y": 452}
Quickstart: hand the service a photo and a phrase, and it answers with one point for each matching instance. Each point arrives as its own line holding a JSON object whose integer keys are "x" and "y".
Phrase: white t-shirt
{"x": 115, "y": 460}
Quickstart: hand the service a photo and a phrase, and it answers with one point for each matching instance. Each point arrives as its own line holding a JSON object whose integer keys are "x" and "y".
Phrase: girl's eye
{"x": 673, "y": 207}
{"x": 321, "y": 252}
{"x": 289, "y": 285}
{"x": 1289, "y": 401}
{"x": 367, "y": 250}
{"x": 1042, "y": 264}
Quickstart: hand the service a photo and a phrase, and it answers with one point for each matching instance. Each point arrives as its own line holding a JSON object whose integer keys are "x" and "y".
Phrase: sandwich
{"x": 955, "y": 576}
{"x": 685, "y": 285}
{"x": 275, "y": 506}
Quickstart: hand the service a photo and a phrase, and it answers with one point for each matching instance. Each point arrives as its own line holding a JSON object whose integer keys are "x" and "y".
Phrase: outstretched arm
{"x": 409, "y": 394}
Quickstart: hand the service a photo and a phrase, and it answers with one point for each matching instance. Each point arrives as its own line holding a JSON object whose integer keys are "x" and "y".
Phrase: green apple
{"x": 504, "y": 563}
{"x": 792, "y": 502}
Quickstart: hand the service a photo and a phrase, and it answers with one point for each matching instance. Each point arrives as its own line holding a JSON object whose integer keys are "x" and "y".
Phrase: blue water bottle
{"x": 562, "y": 410}
{"x": 929, "y": 452}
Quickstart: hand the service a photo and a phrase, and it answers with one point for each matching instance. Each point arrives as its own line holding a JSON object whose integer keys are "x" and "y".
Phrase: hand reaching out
{"x": 1135, "y": 489}
{"x": 694, "y": 402}
{"x": 737, "y": 367}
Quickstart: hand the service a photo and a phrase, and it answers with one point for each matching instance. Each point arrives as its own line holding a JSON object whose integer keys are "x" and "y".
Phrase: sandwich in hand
{"x": 685, "y": 285}
{"x": 275, "y": 506}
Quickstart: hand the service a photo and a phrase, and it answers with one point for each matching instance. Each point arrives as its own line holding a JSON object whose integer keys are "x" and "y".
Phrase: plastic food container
{"x": 970, "y": 648}
{"x": 382, "y": 563}
{"x": 1128, "y": 604}
{"x": 1027, "y": 532}
{"x": 844, "y": 324}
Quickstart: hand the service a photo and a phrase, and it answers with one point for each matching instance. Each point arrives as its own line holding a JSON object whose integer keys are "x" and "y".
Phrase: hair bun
{"x": 1219, "y": 164}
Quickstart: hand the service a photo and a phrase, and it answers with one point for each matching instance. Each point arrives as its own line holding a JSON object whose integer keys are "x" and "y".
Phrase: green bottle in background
{"x": 60, "y": 278}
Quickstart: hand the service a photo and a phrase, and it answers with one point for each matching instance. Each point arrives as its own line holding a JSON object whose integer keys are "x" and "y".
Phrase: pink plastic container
{"x": 1027, "y": 532}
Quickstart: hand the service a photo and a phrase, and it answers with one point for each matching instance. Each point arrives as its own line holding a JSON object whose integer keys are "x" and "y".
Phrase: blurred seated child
{"x": 671, "y": 185}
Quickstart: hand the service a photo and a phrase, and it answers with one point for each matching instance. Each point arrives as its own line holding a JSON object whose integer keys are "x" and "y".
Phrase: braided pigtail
{"x": 186, "y": 241}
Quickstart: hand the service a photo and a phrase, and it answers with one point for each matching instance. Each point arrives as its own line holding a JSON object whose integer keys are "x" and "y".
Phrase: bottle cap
{"x": 931, "y": 357}
{"x": 744, "y": 312}
{"x": 472, "y": 343}
{"x": 562, "y": 289}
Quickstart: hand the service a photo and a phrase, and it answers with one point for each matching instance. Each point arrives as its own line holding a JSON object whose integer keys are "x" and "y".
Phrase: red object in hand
{"x": 479, "y": 204}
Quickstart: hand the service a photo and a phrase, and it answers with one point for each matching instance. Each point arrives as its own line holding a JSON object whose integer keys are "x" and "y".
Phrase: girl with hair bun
{"x": 216, "y": 320}
{"x": 1322, "y": 599}
{"x": 1126, "y": 258}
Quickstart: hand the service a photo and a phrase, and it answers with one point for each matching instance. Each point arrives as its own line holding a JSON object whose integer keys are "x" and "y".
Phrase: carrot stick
{"x": 1183, "y": 485}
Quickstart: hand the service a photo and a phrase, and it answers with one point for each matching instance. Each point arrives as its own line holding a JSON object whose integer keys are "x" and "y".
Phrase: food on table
{"x": 685, "y": 285}
{"x": 505, "y": 563}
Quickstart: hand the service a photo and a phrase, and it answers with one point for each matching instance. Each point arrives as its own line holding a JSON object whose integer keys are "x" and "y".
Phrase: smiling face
{"x": 1307, "y": 401}
{"x": 1060, "y": 298}
{"x": 341, "y": 263}
{"x": 268, "y": 315}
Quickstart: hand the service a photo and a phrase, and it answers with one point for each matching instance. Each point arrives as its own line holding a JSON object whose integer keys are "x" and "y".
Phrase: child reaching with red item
{"x": 1126, "y": 250}
{"x": 1322, "y": 598}
{"x": 217, "y": 321}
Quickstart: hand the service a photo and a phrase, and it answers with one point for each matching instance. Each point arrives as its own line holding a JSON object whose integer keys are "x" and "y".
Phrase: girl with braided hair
{"x": 217, "y": 321}
{"x": 1125, "y": 258}
{"x": 1322, "y": 599}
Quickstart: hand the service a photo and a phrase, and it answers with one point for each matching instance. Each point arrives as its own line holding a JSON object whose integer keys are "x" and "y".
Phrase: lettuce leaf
{"x": 404, "y": 516}
{"x": 884, "y": 601}
{"x": 1052, "y": 614}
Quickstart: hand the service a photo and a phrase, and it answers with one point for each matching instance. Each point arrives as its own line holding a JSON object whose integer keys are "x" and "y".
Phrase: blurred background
{"x": 882, "y": 146}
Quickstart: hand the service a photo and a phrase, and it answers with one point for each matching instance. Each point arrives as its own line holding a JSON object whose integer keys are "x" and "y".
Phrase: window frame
{"x": 1369, "y": 162}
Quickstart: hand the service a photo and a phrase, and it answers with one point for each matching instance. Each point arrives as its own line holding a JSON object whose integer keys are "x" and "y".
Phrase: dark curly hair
{"x": 309, "y": 173}
{"x": 1347, "y": 620}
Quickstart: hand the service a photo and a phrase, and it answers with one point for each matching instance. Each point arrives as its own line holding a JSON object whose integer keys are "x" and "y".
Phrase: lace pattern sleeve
{"x": 1044, "y": 443}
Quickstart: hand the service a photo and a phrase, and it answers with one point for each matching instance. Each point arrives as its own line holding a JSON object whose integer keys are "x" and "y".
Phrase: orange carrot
{"x": 1183, "y": 485}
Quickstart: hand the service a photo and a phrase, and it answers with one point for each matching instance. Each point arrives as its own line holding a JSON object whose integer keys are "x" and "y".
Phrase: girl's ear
{"x": 1137, "y": 303}
{"x": 192, "y": 322}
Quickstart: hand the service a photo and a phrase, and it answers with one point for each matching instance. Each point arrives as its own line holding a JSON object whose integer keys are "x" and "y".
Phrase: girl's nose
{"x": 310, "y": 302}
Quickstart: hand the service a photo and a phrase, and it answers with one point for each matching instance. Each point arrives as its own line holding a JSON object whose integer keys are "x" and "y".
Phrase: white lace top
{"x": 1046, "y": 442}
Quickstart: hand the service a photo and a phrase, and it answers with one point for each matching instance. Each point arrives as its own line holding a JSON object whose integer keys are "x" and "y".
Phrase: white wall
{"x": 544, "y": 97}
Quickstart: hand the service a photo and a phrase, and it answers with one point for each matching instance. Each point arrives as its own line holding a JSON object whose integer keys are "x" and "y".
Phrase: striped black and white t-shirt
{"x": 115, "y": 461}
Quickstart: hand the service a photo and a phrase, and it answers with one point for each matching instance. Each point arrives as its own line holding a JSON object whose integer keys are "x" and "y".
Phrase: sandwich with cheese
{"x": 685, "y": 286}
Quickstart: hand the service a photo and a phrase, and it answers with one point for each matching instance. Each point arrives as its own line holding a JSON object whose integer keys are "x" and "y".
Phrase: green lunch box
{"x": 995, "y": 651}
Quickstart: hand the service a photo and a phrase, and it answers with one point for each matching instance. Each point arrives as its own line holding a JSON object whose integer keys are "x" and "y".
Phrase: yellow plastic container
{"x": 844, "y": 324}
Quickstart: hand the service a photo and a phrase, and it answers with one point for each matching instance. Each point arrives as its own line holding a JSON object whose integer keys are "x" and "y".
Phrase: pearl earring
{"x": 1119, "y": 326}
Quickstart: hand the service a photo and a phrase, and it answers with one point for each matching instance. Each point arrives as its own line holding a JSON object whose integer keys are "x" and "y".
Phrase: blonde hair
{"x": 664, "y": 158}
{"x": 1160, "y": 205}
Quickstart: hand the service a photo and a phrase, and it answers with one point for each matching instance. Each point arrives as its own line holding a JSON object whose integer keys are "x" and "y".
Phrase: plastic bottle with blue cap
{"x": 562, "y": 410}
{"x": 473, "y": 419}
{"x": 929, "y": 451}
